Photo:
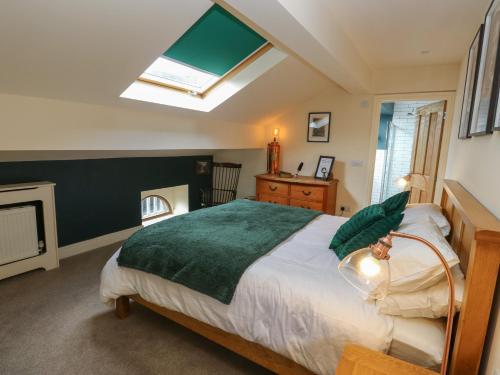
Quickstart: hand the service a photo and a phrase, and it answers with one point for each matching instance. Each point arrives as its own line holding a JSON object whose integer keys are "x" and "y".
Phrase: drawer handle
{"x": 306, "y": 193}
{"x": 272, "y": 188}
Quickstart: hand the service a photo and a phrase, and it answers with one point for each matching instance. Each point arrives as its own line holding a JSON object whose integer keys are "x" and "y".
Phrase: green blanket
{"x": 208, "y": 250}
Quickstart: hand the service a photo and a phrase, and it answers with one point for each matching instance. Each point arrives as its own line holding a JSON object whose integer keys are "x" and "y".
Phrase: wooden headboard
{"x": 475, "y": 237}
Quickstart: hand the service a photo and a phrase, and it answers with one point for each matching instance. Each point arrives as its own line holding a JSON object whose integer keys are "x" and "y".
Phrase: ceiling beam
{"x": 307, "y": 29}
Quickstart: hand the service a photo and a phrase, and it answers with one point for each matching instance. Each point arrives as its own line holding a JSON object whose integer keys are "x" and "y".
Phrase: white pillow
{"x": 413, "y": 266}
{"x": 419, "y": 341}
{"x": 423, "y": 211}
{"x": 428, "y": 303}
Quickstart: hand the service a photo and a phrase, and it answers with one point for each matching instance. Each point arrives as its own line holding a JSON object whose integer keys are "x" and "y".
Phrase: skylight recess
{"x": 216, "y": 45}
{"x": 175, "y": 74}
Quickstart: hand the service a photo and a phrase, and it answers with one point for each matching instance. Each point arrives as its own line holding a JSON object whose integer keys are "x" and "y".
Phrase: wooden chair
{"x": 225, "y": 177}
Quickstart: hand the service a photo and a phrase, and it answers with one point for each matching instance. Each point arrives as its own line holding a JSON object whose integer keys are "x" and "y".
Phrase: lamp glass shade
{"x": 402, "y": 182}
{"x": 368, "y": 274}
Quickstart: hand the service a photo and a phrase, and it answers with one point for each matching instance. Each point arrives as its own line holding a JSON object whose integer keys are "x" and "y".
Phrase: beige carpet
{"x": 53, "y": 323}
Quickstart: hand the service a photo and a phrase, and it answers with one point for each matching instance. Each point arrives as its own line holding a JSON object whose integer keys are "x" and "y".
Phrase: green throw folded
{"x": 209, "y": 250}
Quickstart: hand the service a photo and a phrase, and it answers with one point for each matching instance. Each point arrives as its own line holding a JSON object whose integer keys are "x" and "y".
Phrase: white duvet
{"x": 293, "y": 301}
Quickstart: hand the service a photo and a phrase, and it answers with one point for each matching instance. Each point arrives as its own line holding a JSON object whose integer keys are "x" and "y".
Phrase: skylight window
{"x": 214, "y": 47}
{"x": 217, "y": 57}
{"x": 177, "y": 75}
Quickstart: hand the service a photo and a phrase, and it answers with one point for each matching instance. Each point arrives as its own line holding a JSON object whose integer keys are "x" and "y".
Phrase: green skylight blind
{"x": 216, "y": 43}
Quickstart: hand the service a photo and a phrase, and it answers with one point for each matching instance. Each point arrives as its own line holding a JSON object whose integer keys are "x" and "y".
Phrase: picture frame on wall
{"x": 318, "y": 127}
{"x": 493, "y": 16}
{"x": 486, "y": 96}
{"x": 203, "y": 167}
{"x": 324, "y": 167}
{"x": 470, "y": 84}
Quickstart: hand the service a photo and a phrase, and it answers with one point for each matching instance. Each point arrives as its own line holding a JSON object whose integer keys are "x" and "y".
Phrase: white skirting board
{"x": 95, "y": 243}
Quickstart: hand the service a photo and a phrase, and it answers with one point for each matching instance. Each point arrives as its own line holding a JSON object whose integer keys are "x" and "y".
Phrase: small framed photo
{"x": 318, "y": 127}
{"x": 324, "y": 168}
{"x": 203, "y": 167}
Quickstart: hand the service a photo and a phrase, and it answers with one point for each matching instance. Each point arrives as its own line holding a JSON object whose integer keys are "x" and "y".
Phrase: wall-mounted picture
{"x": 470, "y": 85}
{"x": 486, "y": 97}
{"x": 324, "y": 168}
{"x": 495, "y": 99}
{"x": 203, "y": 167}
{"x": 318, "y": 127}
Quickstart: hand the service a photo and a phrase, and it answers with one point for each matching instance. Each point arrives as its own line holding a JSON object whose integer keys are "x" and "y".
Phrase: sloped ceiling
{"x": 90, "y": 51}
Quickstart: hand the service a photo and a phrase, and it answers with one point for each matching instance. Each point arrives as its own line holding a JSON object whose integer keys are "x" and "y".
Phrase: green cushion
{"x": 369, "y": 235}
{"x": 396, "y": 203}
{"x": 357, "y": 223}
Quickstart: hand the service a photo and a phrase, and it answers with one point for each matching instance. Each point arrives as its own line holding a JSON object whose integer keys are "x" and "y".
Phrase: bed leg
{"x": 122, "y": 307}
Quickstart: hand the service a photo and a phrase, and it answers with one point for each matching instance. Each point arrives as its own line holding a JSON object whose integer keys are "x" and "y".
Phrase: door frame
{"x": 449, "y": 96}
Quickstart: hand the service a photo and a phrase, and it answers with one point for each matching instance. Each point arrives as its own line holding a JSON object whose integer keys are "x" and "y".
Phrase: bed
{"x": 287, "y": 332}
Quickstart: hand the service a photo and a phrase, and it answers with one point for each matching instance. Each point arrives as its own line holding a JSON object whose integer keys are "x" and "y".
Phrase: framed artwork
{"x": 318, "y": 127}
{"x": 203, "y": 167}
{"x": 324, "y": 168}
{"x": 470, "y": 85}
{"x": 486, "y": 97}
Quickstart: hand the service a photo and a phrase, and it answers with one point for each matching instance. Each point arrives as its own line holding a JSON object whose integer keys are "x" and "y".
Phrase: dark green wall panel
{"x": 100, "y": 196}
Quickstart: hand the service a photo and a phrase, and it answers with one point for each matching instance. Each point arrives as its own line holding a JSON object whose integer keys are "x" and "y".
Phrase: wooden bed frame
{"x": 475, "y": 237}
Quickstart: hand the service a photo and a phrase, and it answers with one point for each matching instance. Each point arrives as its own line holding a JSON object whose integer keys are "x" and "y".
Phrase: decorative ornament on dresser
{"x": 273, "y": 154}
{"x": 318, "y": 127}
{"x": 484, "y": 116}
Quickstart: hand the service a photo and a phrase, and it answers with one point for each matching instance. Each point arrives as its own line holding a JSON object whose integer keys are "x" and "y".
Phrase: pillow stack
{"x": 368, "y": 225}
{"x": 420, "y": 212}
{"x": 418, "y": 286}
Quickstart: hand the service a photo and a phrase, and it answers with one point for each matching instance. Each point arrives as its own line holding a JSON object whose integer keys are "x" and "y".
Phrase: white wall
{"x": 351, "y": 129}
{"x": 475, "y": 164}
{"x": 349, "y": 141}
{"x": 28, "y": 123}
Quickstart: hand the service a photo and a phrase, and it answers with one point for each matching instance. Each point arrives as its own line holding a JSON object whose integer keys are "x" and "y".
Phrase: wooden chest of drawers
{"x": 305, "y": 192}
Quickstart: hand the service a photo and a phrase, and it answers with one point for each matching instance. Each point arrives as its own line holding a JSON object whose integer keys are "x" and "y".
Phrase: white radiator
{"x": 18, "y": 234}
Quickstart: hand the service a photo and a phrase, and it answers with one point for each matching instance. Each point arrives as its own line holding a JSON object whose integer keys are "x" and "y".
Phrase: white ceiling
{"x": 91, "y": 51}
{"x": 390, "y": 33}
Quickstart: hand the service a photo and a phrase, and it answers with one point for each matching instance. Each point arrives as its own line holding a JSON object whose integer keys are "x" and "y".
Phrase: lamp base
{"x": 273, "y": 158}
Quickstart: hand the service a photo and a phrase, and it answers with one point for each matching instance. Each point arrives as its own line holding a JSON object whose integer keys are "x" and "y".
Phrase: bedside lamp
{"x": 403, "y": 182}
{"x": 368, "y": 271}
